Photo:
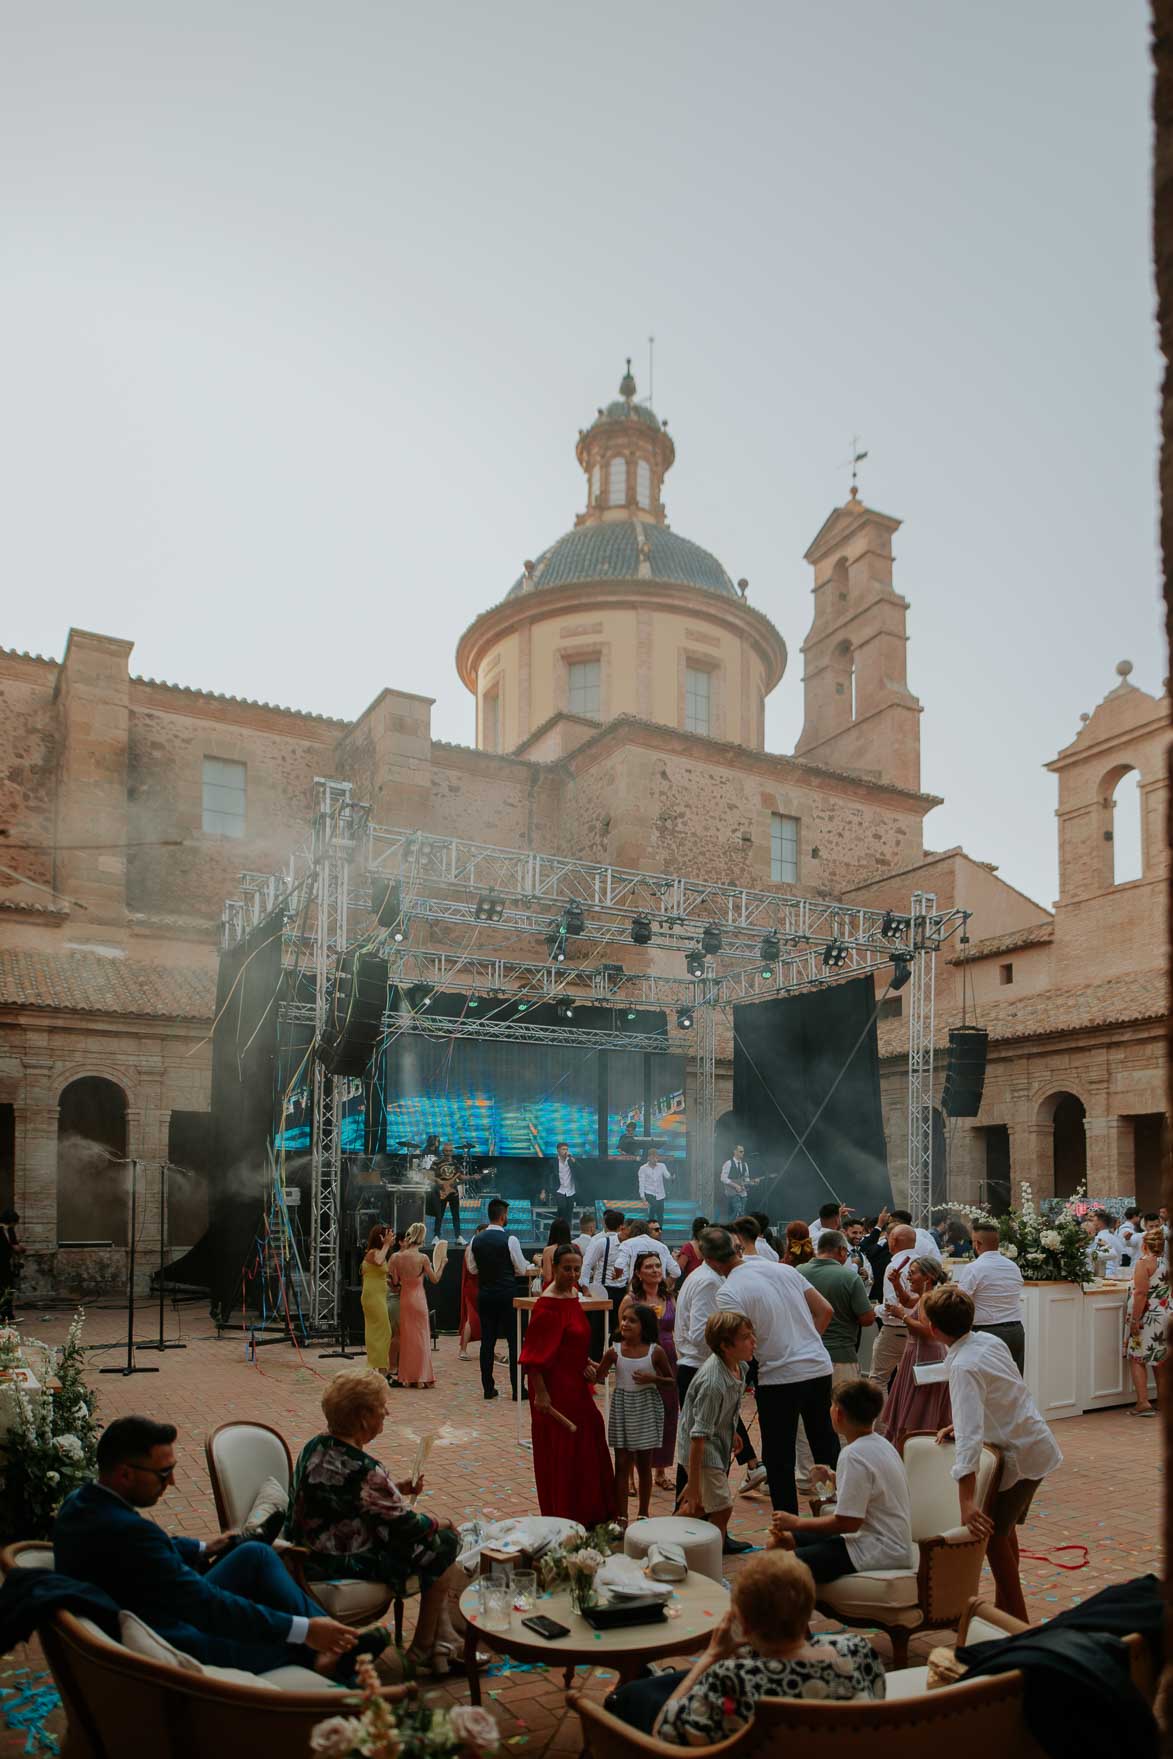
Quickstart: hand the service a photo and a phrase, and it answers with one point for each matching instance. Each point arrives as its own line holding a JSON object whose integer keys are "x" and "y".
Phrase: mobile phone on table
{"x": 545, "y": 1627}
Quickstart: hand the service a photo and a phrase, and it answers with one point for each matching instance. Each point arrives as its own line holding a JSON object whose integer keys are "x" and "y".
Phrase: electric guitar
{"x": 448, "y": 1178}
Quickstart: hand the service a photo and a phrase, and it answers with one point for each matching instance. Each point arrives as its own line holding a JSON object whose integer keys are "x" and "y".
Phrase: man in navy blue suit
{"x": 244, "y": 1610}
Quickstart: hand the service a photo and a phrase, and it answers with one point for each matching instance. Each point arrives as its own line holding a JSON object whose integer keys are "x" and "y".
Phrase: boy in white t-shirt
{"x": 870, "y": 1526}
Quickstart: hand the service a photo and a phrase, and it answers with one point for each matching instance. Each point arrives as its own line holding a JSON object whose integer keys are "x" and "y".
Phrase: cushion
{"x": 981, "y": 1631}
{"x": 271, "y": 1497}
{"x": 244, "y": 1456}
{"x": 891, "y": 1594}
{"x": 351, "y": 1600}
{"x": 95, "y": 1630}
{"x": 141, "y": 1640}
{"x": 906, "y": 1682}
{"x": 38, "y": 1557}
{"x": 293, "y": 1679}
{"x": 236, "y": 1676}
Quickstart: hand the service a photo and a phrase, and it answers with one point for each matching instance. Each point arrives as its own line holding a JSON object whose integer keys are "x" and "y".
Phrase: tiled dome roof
{"x": 610, "y": 551}
{"x": 622, "y": 410}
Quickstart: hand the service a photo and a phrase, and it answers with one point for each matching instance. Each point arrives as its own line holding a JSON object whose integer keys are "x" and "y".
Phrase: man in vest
{"x": 495, "y": 1259}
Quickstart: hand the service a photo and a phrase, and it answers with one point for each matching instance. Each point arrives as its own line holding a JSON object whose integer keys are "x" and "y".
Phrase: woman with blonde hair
{"x": 353, "y": 1520}
{"x": 1146, "y": 1317}
{"x": 761, "y": 1648}
{"x": 409, "y": 1267}
{"x": 378, "y": 1329}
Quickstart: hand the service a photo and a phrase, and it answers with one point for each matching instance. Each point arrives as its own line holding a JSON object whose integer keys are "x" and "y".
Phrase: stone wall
{"x": 29, "y": 754}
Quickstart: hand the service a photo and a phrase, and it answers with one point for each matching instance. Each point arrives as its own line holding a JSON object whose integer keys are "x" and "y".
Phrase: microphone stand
{"x": 131, "y": 1367}
{"x": 162, "y": 1343}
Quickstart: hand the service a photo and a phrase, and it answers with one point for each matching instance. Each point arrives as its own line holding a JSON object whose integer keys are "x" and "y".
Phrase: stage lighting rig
{"x": 684, "y": 1017}
{"x": 694, "y": 963}
{"x": 901, "y": 972}
{"x": 566, "y": 1010}
{"x": 710, "y": 938}
{"x": 419, "y": 996}
{"x": 630, "y": 1014}
{"x": 641, "y": 930}
{"x": 556, "y": 946}
{"x": 893, "y": 926}
{"x": 490, "y": 908}
{"x": 573, "y": 920}
{"x": 835, "y": 955}
{"x": 474, "y": 1002}
{"x": 769, "y": 952}
{"x": 522, "y": 1005}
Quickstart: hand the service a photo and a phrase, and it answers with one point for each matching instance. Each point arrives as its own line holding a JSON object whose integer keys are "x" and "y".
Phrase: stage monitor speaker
{"x": 387, "y": 902}
{"x": 966, "y": 1075}
{"x": 355, "y": 1013}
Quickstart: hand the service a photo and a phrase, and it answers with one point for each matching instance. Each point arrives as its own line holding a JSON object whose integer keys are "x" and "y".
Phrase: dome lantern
{"x": 624, "y": 455}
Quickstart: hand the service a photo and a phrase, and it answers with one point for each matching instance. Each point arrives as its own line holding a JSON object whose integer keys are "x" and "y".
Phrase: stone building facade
{"x": 620, "y": 690}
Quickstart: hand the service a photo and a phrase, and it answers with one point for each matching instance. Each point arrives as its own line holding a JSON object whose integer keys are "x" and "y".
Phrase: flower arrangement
{"x": 1047, "y": 1249}
{"x": 51, "y": 1444}
{"x": 408, "y": 1730}
{"x": 578, "y": 1557}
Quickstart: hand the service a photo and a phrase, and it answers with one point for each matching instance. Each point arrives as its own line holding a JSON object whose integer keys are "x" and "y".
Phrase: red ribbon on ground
{"x": 1043, "y": 1557}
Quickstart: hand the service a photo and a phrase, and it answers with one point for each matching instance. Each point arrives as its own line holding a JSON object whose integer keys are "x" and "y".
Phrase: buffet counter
{"x": 1075, "y": 1347}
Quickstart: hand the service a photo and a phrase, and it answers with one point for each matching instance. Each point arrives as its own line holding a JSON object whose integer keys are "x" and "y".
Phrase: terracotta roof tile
{"x": 93, "y": 983}
{"x": 1035, "y": 936}
{"x": 1141, "y": 995}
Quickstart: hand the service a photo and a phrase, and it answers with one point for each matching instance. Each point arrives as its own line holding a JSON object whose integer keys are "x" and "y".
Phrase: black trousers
{"x": 565, "y": 1206}
{"x": 1013, "y": 1336}
{"x": 639, "y": 1702}
{"x": 436, "y": 1208}
{"x": 779, "y": 1409}
{"x": 498, "y": 1319}
{"x": 655, "y": 1208}
{"x": 827, "y": 1559}
{"x": 748, "y": 1455}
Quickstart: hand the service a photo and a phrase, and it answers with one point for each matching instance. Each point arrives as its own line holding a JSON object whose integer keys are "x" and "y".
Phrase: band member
{"x": 734, "y": 1183}
{"x": 627, "y": 1147}
{"x": 431, "y": 1153}
{"x": 652, "y": 1179}
{"x": 566, "y": 1187}
{"x": 443, "y": 1193}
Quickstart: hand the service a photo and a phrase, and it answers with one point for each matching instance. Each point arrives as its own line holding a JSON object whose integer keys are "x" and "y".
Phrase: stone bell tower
{"x": 860, "y": 714}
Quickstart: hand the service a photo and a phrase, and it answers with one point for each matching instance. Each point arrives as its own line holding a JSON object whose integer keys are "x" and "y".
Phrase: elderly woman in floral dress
{"x": 355, "y": 1521}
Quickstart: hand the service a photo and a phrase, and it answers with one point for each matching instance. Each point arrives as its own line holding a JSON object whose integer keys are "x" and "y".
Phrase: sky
{"x": 302, "y": 307}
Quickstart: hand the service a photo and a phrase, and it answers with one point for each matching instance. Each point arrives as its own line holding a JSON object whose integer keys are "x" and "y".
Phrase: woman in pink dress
{"x": 407, "y": 1269}
{"x": 909, "y": 1406}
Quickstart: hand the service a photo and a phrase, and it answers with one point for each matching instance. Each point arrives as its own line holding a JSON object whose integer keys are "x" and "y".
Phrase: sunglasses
{"x": 162, "y": 1473}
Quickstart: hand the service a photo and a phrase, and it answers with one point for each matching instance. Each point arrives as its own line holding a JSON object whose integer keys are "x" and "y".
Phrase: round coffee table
{"x": 697, "y": 1604}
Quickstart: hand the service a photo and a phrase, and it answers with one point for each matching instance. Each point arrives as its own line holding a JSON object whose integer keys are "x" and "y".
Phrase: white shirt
{"x": 581, "y": 1244}
{"x": 516, "y": 1260}
{"x": 1131, "y": 1234}
{"x": 765, "y": 1250}
{"x": 651, "y": 1179}
{"x": 565, "y": 1178}
{"x": 598, "y": 1262}
{"x": 872, "y": 1487}
{"x": 630, "y": 1250}
{"x": 990, "y": 1403}
{"x": 773, "y": 1299}
{"x": 1107, "y": 1241}
{"x": 899, "y": 1262}
{"x": 735, "y": 1171}
{"x": 995, "y": 1282}
{"x": 695, "y": 1306}
{"x": 926, "y": 1246}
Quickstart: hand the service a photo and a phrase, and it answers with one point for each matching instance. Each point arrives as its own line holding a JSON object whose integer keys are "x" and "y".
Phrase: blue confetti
{"x": 32, "y": 1705}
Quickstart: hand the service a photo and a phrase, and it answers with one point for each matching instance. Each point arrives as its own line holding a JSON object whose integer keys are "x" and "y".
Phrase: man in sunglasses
{"x": 235, "y": 1607}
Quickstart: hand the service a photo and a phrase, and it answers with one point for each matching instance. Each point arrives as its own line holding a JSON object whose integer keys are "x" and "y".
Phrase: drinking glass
{"x": 496, "y": 1604}
{"x": 525, "y": 1590}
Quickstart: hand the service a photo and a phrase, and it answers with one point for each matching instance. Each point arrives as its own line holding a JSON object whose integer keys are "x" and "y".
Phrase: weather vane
{"x": 856, "y": 459}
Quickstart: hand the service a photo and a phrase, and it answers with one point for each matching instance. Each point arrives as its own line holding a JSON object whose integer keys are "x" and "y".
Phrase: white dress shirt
{"x": 990, "y": 1403}
{"x": 735, "y": 1172}
{"x": 1107, "y": 1241}
{"x": 565, "y": 1177}
{"x": 515, "y": 1258}
{"x": 773, "y": 1299}
{"x": 598, "y": 1264}
{"x": 995, "y": 1282}
{"x": 926, "y": 1246}
{"x": 899, "y": 1262}
{"x": 765, "y": 1250}
{"x": 580, "y": 1246}
{"x": 1130, "y": 1236}
{"x": 629, "y": 1250}
{"x": 651, "y": 1179}
{"x": 695, "y": 1305}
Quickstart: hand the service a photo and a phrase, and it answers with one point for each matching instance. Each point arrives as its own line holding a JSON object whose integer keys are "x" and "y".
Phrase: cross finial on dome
{"x": 627, "y": 383}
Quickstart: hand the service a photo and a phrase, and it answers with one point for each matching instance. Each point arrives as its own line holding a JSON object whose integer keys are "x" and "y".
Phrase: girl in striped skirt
{"x": 635, "y": 1427}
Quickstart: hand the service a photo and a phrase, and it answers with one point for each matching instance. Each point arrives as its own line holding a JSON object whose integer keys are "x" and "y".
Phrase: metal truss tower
{"x": 921, "y": 1024}
{"x": 705, "y": 1111}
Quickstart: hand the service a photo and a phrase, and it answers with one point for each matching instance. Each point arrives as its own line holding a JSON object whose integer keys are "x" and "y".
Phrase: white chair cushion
{"x": 700, "y": 1541}
{"x": 245, "y": 1456}
{"x": 271, "y": 1496}
{"x": 980, "y": 1631}
{"x": 350, "y": 1599}
{"x": 141, "y": 1640}
{"x": 891, "y": 1592}
{"x": 294, "y": 1679}
{"x": 93, "y": 1630}
{"x": 932, "y": 1489}
{"x": 906, "y": 1682}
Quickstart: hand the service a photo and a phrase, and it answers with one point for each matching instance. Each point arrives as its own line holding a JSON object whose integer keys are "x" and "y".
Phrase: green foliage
{"x": 50, "y": 1443}
{"x": 1046, "y": 1249}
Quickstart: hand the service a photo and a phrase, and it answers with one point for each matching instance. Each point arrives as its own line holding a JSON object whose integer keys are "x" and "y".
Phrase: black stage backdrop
{"x": 786, "y": 1057}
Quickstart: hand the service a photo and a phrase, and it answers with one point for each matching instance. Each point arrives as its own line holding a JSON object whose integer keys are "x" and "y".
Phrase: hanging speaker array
{"x": 965, "y": 1076}
{"x": 355, "y": 1009}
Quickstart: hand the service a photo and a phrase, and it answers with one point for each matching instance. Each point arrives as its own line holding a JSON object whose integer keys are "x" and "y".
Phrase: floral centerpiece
{"x": 576, "y": 1560}
{"x": 408, "y": 1730}
{"x": 1047, "y": 1249}
{"x": 50, "y": 1440}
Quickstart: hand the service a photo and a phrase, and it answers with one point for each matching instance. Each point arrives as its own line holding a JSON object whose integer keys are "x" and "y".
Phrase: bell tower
{"x": 860, "y": 714}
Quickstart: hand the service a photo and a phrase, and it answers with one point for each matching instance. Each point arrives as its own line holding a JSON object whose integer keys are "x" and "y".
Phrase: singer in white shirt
{"x": 653, "y": 1176}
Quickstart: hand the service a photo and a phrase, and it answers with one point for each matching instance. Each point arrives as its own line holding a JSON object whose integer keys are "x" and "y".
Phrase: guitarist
{"x": 443, "y": 1193}
{"x": 735, "y": 1183}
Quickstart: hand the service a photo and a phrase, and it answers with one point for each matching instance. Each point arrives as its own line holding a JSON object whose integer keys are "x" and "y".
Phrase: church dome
{"x": 627, "y": 549}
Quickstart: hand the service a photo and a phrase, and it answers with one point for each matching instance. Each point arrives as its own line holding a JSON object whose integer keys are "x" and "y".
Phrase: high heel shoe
{"x": 433, "y": 1661}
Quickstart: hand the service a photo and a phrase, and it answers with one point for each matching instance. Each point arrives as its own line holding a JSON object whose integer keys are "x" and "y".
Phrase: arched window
{"x": 839, "y": 580}
{"x": 93, "y": 1179}
{"x": 643, "y": 482}
{"x": 1068, "y": 1144}
{"x": 596, "y": 482}
{"x": 843, "y": 665}
{"x": 1127, "y": 836}
{"x": 617, "y": 483}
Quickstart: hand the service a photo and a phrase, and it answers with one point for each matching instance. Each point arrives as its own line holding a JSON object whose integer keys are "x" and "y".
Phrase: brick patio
{"x": 1106, "y": 1496}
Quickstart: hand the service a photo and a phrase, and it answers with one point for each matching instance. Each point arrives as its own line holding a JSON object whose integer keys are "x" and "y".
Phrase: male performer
{"x": 734, "y": 1183}
{"x": 495, "y": 1259}
{"x": 652, "y": 1177}
{"x": 443, "y": 1194}
{"x": 566, "y": 1186}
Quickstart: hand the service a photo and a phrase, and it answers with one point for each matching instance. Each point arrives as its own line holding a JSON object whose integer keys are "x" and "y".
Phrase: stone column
{"x": 1032, "y": 1159}
{"x": 1108, "y": 1170}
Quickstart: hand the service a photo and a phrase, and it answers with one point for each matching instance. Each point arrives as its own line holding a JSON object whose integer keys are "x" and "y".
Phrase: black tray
{"x": 625, "y": 1611}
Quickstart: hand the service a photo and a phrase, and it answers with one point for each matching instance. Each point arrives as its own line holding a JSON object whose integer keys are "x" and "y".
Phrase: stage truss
{"x": 449, "y": 887}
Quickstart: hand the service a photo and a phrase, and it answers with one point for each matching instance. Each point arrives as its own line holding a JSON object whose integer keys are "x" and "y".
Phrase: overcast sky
{"x": 302, "y": 307}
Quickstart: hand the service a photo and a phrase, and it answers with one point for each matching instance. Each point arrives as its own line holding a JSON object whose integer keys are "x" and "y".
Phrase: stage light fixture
{"x": 769, "y": 952}
{"x": 710, "y": 938}
{"x": 387, "y": 903}
{"x": 419, "y": 995}
{"x": 694, "y": 963}
{"x": 901, "y": 972}
{"x": 556, "y": 946}
{"x": 834, "y": 955}
{"x": 630, "y": 1014}
{"x": 490, "y": 908}
{"x": 566, "y": 1009}
{"x": 573, "y": 920}
{"x": 684, "y": 1017}
{"x": 889, "y": 925}
{"x": 474, "y": 1002}
{"x": 641, "y": 930}
{"x": 522, "y": 1005}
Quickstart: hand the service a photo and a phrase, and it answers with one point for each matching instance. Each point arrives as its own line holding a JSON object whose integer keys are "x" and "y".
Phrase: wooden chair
{"x": 117, "y": 1702}
{"x": 240, "y": 1457}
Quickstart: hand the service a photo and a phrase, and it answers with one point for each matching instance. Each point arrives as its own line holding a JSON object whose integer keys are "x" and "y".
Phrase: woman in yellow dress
{"x": 376, "y": 1320}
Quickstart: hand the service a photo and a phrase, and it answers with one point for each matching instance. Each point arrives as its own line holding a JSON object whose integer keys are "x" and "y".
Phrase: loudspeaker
{"x": 387, "y": 902}
{"x": 354, "y": 1013}
{"x": 966, "y": 1075}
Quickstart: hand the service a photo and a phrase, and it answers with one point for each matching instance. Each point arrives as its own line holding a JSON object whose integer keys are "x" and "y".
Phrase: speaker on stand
{"x": 965, "y": 1076}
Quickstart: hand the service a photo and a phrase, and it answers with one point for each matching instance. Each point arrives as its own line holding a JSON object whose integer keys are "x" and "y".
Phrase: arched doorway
{"x": 93, "y": 1189}
{"x": 1068, "y": 1144}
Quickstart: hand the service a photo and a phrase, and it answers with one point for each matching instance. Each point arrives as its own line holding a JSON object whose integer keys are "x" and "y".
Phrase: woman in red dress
{"x": 572, "y": 1466}
{"x": 470, "y": 1317}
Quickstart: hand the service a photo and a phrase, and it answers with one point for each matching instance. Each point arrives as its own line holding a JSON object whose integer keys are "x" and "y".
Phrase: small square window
{"x": 1006, "y": 974}
{"x": 584, "y": 688}
{"x": 697, "y": 699}
{"x": 224, "y": 797}
{"x": 783, "y": 849}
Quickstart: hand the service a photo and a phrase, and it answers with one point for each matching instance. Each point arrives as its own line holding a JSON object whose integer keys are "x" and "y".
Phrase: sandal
{"x": 434, "y": 1663}
{"x": 1147, "y": 1412}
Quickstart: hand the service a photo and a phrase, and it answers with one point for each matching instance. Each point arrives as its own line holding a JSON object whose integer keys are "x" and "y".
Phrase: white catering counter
{"x": 1075, "y": 1347}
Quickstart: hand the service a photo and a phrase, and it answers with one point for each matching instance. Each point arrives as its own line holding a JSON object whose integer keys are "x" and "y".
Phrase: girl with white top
{"x": 635, "y": 1426}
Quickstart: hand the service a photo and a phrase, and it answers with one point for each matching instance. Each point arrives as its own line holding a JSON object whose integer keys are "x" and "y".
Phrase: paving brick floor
{"x": 1106, "y": 1495}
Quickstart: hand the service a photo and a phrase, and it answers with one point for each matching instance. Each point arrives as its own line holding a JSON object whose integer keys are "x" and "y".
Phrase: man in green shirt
{"x": 838, "y": 1282}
